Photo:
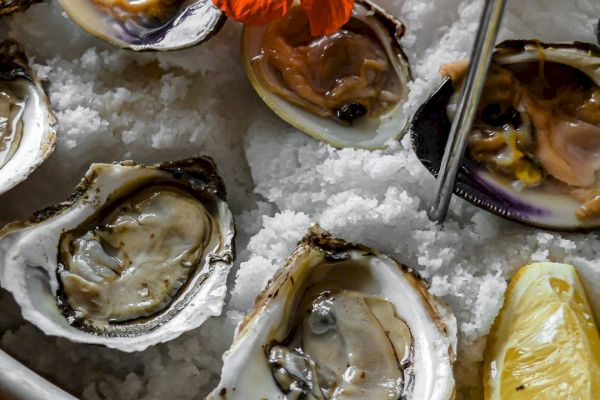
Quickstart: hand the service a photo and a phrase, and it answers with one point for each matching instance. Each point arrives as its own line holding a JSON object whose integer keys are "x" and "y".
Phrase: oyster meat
{"x": 346, "y": 88}
{"x": 147, "y": 24}
{"x": 27, "y": 122}
{"x": 535, "y": 144}
{"x": 138, "y": 255}
{"x": 11, "y": 123}
{"x": 341, "y": 321}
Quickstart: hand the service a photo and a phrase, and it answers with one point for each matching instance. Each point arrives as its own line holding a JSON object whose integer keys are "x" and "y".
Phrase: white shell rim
{"x": 39, "y": 139}
{"x": 245, "y": 373}
{"x": 28, "y": 262}
{"x": 184, "y": 33}
{"x": 394, "y": 122}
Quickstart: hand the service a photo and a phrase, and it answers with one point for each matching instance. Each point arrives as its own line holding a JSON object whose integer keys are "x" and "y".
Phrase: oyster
{"x": 341, "y": 321}
{"x": 136, "y": 256}
{"x": 147, "y": 24}
{"x": 347, "y": 89}
{"x": 27, "y": 122}
{"x": 534, "y": 151}
{"x": 11, "y": 6}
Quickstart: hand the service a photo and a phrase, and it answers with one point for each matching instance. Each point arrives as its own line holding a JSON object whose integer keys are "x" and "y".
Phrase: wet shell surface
{"x": 349, "y": 123}
{"x": 138, "y": 255}
{"x": 147, "y": 25}
{"x": 341, "y": 321}
{"x": 27, "y": 122}
{"x": 535, "y": 205}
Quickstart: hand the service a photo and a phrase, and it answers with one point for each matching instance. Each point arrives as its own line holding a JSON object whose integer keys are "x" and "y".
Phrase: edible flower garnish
{"x": 325, "y": 16}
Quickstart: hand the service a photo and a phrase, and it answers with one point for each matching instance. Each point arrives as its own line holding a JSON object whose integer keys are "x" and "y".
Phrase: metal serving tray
{"x": 17, "y": 382}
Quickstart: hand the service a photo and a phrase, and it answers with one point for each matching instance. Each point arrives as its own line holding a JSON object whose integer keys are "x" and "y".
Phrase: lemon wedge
{"x": 544, "y": 344}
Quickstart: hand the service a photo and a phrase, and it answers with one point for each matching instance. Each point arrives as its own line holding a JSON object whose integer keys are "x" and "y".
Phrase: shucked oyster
{"x": 346, "y": 89}
{"x": 138, "y": 255}
{"x": 147, "y": 24}
{"x": 341, "y": 321}
{"x": 534, "y": 152}
{"x": 27, "y": 122}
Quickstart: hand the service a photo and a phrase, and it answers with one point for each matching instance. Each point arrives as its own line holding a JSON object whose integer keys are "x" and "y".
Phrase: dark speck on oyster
{"x": 494, "y": 115}
{"x": 351, "y": 112}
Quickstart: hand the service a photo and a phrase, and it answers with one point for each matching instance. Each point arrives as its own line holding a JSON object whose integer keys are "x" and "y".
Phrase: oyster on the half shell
{"x": 137, "y": 255}
{"x": 534, "y": 150}
{"x": 342, "y": 321}
{"x": 27, "y": 122}
{"x": 347, "y": 89}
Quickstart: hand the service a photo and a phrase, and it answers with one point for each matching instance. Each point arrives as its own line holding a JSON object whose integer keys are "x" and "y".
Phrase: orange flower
{"x": 325, "y": 16}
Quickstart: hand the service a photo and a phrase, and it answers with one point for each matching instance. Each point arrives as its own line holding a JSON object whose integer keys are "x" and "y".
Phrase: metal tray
{"x": 17, "y": 382}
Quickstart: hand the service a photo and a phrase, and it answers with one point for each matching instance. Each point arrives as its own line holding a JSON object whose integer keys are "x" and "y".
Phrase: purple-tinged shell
{"x": 429, "y": 132}
{"x": 194, "y": 22}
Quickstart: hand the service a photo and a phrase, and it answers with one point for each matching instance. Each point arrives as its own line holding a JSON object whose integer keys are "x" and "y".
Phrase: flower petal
{"x": 254, "y": 12}
{"x": 327, "y": 16}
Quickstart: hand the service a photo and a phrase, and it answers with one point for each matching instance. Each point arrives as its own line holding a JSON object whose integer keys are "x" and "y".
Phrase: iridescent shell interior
{"x": 147, "y": 25}
{"x": 534, "y": 205}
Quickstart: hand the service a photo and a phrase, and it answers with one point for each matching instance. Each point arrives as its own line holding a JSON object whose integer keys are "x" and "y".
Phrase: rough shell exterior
{"x": 267, "y": 321}
{"x": 29, "y": 247}
{"x": 39, "y": 138}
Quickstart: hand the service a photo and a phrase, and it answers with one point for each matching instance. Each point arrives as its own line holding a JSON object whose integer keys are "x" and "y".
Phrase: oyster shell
{"x": 515, "y": 167}
{"x": 137, "y": 255}
{"x": 27, "y": 122}
{"x": 147, "y": 24}
{"x": 341, "y": 321}
{"x": 346, "y": 89}
{"x": 11, "y": 6}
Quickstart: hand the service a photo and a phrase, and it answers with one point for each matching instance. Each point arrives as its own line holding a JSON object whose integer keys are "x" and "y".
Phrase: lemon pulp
{"x": 544, "y": 343}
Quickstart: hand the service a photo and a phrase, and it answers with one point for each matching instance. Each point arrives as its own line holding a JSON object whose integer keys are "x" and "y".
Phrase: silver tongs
{"x": 481, "y": 56}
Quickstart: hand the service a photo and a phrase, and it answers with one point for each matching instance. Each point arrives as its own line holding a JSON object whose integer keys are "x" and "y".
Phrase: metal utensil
{"x": 17, "y": 382}
{"x": 481, "y": 56}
